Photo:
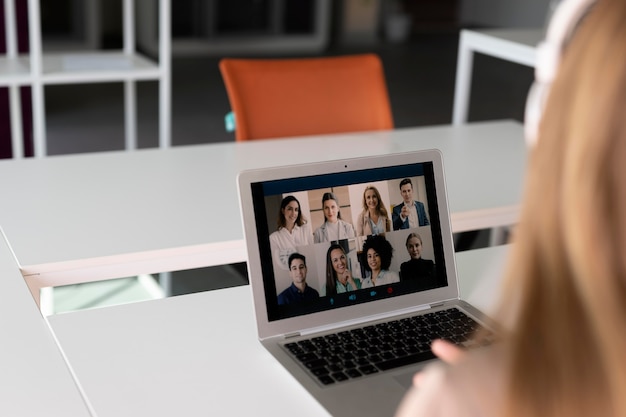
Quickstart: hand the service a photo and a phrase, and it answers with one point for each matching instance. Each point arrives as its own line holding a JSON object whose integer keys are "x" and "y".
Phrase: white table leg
{"x": 130, "y": 122}
{"x": 463, "y": 83}
{"x": 17, "y": 134}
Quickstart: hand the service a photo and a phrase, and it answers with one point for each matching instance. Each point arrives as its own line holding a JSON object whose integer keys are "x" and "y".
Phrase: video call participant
{"x": 417, "y": 268}
{"x": 293, "y": 231}
{"x": 299, "y": 290}
{"x": 373, "y": 219}
{"x": 333, "y": 228}
{"x": 409, "y": 213}
{"x": 339, "y": 278}
{"x": 377, "y": 254}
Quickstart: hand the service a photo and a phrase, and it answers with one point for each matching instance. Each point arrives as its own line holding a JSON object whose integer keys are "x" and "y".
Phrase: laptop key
{"x": 306, "y": 357}
{"x": 340, "y": 376}
{"x": 320, "y": 371}
{"x": 326, "y": 379}
{"x": 405, "y": 360}
{"x": 316, "y": 363}
{"x": 368, "y": 370}
{"x": 349, "y": 364}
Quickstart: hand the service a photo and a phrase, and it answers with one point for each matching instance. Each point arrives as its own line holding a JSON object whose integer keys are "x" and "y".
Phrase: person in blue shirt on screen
{"x": 409, "y": 213}
{"x": 298, "y": 291}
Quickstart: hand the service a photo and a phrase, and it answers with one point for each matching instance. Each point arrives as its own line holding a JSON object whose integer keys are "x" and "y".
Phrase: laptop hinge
{"x": 290, "y": 335}
{"x": 437, "y": 304}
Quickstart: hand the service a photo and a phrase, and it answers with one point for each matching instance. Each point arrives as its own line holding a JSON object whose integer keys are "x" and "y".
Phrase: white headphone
{"x": 566, "y": 17}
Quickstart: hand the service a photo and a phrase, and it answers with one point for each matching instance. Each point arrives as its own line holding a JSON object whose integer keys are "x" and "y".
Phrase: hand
{"x": 344, "y": 277}
{"x": 350, "y": 279}
{"x": 446, "y": 351}
{"x": 413, "y": 403}
{"x": 404, "y": 213}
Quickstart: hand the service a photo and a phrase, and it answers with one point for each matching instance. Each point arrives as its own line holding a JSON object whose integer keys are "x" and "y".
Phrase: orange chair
{"x": 274, "y": 98}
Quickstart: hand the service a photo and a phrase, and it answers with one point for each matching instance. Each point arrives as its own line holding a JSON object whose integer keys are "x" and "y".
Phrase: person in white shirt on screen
{"x": 373, "y": 219}
{"x": 377, "y": 253}
{"x": 333, "y": 229}
{"x": 293, "y": 231}
{"x": 409, "y": 213}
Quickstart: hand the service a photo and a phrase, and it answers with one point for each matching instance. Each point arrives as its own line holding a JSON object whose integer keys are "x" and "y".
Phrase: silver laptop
{"x": 335, "y": 290}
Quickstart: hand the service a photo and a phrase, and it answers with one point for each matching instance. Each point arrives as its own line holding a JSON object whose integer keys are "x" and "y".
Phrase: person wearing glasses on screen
{"x": 562, "y": 310}
{"x": 339, "y": 278}
{"x": 299, "y": 290}
{"x": 409, "y": 213}
{"x": 373, "y": 219}
{"x": 333, "y": 229}
{"x": 293, "y": 231}
{"x": 377, "y": 253}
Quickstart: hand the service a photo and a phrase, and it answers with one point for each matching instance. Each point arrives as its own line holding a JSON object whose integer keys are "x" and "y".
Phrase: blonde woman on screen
{"x": 374, "y": 219}
{"x": 563, "y": 347}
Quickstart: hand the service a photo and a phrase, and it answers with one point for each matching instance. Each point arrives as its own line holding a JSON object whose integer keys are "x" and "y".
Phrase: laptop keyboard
{"x": 380, "y": 347}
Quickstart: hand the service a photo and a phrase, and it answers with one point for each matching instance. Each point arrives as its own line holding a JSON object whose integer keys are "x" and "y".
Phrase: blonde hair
{"x": 565, "y": 295}
{"x": 380, "y": 207}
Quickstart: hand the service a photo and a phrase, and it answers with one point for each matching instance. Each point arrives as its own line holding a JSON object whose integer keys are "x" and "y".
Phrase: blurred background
{"x": 417, "y": 41}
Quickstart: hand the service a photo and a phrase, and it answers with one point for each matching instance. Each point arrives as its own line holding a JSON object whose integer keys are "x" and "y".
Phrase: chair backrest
{"x": 274, "y": 98}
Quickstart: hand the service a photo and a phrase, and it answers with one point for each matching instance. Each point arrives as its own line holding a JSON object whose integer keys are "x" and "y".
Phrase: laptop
{"x": 342, "y": 338}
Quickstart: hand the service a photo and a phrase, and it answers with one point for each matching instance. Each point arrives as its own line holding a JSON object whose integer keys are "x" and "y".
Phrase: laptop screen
{"x": 336, "y": 240}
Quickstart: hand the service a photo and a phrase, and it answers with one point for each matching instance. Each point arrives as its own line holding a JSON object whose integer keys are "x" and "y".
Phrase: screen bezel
{"x": 269, "y": 325}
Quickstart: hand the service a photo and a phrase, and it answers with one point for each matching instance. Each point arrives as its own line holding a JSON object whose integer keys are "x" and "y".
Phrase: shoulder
{"x": 283, "y": 297}
{"x": 311, "y": 290}
{"x": 305, "y": 228}
{"x": 274, "y": 236}
{"x": 392, "y": 275}
{"x": 345, "y": 224}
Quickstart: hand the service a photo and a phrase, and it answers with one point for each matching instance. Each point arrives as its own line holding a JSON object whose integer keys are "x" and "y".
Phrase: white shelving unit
{"x": 37, "y": 69}
{"x": 273, "y": 39}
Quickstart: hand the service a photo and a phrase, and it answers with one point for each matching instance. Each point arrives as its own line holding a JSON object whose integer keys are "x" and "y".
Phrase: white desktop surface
{"x": 170, "y": 357}
{"x": 34, "y": 377}
{"x": 165, "y": 209}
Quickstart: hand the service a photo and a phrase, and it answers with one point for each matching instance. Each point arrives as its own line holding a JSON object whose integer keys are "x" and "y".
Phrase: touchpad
{"x": 405, "y": 379}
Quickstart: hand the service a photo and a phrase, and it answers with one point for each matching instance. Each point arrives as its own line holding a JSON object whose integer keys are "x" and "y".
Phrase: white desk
{"x": 96, "y": 216}
{"x": 34, "y": 378}
{"x": 169, "y": 357}
{"x": 515, "y": 45}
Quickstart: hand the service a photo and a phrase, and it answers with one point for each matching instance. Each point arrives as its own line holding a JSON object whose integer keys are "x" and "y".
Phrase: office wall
{"x": 503, "y": 13}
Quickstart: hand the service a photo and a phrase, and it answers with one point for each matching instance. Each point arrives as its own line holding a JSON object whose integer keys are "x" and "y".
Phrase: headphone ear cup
{"x": 562, "y": 24}
{"x": 546, "y": 66}
{"x": 532, "y": 114}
